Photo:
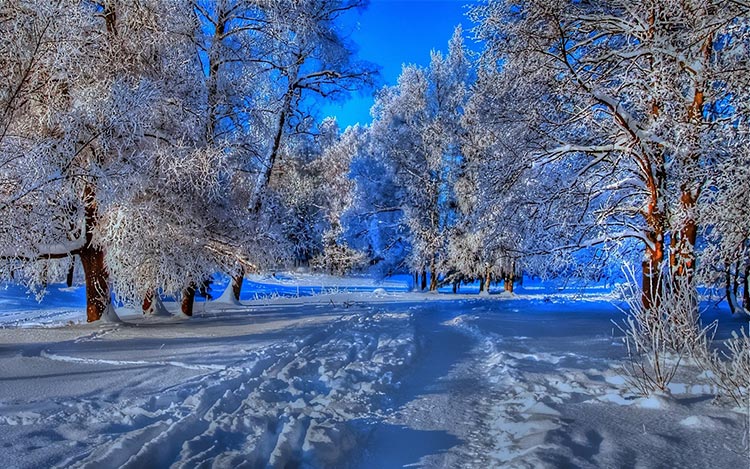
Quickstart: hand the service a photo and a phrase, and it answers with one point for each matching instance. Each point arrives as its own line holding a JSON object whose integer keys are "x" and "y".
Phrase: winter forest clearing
{"x": 530, "y": 250}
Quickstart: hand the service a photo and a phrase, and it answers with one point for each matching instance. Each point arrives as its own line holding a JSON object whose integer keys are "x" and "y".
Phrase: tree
{"x": 626, "y": 90}
{"x": 265, "y": 63}
{"x": 97, "y": 113}
{"x": 415, "y": 130}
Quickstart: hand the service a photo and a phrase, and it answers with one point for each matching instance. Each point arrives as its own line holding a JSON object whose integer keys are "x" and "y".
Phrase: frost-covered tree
{"x": 266, "y": 63}
{"x": 625, "y": 96}
{"x": 101, "y": 114}
{"x": 415, "y": 131}
{"x": 492, "y": 190}
{"x": 124, "y": 146}
{"x": 375, "y": 223}
{"x": 726, "y": 214}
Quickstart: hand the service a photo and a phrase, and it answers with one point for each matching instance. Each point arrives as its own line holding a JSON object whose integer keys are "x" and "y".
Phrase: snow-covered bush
{"x": 729, "y": 369}
{"x": 660, "y": 334}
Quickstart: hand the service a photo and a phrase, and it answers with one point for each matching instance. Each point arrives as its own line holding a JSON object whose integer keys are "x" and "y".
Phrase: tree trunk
{"x": 683, "y": 259}
{"x": 510, "y": 278}
{"x": 433, "y": 280}
{"x": 745, "y": 290}
{"x": 416, "y": 279}
{"x": 95, "y": 272}
{"x": 71, "y": 271}
{"x": 487, "y": 278}
{"x": 257, "y": 199}
{"x": 651, "y": 271}
{"x": 188, "y": 299}
{"x": 148, "y": 301}
{"x": 730, "y": 293}
{"x": 237, "y": 279}
{"x": 481, "y": 284}
{"x": 97, "y": 282}
{"x": 423, "y": 284}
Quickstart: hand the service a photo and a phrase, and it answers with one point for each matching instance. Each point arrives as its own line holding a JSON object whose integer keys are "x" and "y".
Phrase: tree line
{"x": 582, "y": 136}
{"x": 157, "y": 142}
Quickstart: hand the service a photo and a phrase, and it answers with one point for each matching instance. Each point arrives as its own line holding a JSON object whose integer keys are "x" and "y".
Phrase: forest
{"x": 149, "y": 147}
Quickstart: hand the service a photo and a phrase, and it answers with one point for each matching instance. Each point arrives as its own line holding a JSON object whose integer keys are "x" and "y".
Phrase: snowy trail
{"x": 492, "y": 389}
{"x": 352, "y": 384}
{"x": 285, "y": 404}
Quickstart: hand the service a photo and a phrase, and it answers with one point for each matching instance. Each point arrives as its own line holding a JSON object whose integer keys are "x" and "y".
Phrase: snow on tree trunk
{"x": 228, "y": 296}
{"x": 153, "y": 306}
{"x": 110, "y": 316}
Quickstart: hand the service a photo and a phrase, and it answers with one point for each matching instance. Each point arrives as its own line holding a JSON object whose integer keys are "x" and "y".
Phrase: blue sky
{"x": 393, "y": 32}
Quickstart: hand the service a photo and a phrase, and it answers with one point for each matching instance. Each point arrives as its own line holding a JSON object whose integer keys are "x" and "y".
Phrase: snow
{"x": 355, "y": 377}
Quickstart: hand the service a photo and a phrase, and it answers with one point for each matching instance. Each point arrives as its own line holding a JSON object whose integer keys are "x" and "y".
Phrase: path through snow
{"x": 348, "y": 383}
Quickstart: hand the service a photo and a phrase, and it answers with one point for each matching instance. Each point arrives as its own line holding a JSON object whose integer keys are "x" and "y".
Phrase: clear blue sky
{"x": 390, "y": 33}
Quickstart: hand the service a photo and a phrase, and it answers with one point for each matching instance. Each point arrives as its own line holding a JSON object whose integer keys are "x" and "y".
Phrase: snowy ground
{"x": 354, "y": 377}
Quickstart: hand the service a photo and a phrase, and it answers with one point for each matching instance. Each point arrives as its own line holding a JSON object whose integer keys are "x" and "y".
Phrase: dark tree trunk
{"x": 92, "y": 259}
{"x": 730, "y": 292}
{"x": 97, "y": 282}
{"x": 71, "y": 271}
{"x": 416, "y": 279}
{"x": 423, "y": 283}
{"x": 481, "y": 284}
{"x": 745, "y": 290}
{"x": 433, "y": 276}
{"x": 651, "y": 278}
{"x": 510, "y": 278}
{"x": 188, "y": 299}
{"x": 148, "y": 302}
{"x": 237, "y": 279}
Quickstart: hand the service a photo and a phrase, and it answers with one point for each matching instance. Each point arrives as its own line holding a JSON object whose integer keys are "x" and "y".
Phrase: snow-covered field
{"x": 317, "y": 372}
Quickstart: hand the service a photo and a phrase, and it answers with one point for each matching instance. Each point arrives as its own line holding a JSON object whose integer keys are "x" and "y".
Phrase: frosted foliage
{"x": 627, "y": 96}
{"x": 152, "y": 240}
{"x": 148, "y": 129}
{"x": 415, "y": 133}
{"x": 727, "y": 212}
{"x": 729, "y": 367}
{"x": 79, "y": 102}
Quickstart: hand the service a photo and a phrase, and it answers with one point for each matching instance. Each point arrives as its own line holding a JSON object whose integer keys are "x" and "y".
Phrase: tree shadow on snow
{"x": 406, "y": 446}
